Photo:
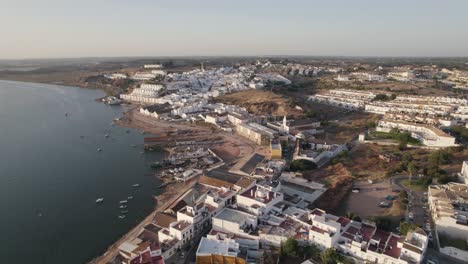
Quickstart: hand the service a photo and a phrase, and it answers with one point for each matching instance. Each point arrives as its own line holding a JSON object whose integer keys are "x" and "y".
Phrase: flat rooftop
{"x": 252, "y": 163}
{"x": 232, "y": 215}
{"x": 210, "y": 246}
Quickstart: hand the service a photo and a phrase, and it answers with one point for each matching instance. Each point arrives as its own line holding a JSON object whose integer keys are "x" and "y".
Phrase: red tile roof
{"x": 318, "y": 212}
{"x": 252, "y": 194}
{"x": 318, "y": 230}
{"x": 343, "y": 221}
{"x": 367, "y": 232}
{"x": 392, "y": 249}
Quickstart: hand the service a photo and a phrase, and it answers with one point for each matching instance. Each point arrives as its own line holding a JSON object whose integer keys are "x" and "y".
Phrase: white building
{"x": 152, "y": 66}
{"x": 428, "y": 135}
{"x": 404, "y": 76}
{"x": 464, "y": 172}
{"x": 324, "y": 232}
{"x": 448, "y": 204}
{"x": 234, "y": 221}
{"x": 158, "y": 72}
{"x": 114, "y": 76}
{"x": 259, "y": 200}
{"x": 226, "y": 248}
{"x": 143, "y": 76}
{"x": 342, "y": 78}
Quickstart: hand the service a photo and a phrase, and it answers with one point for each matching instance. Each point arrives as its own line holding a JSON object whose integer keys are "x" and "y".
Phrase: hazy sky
{"x": 89, "y": 28}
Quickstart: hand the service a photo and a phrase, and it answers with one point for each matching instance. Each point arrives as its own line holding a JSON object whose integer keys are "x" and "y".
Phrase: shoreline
{"x": 180, "y": 189}
{"x": 235, "y": 149}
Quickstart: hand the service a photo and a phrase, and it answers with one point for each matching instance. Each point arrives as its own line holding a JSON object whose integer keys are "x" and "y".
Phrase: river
{"x": 51, "y": 174}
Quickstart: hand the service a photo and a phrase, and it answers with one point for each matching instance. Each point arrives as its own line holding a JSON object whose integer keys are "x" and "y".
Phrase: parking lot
{"x": 366, "y": 199}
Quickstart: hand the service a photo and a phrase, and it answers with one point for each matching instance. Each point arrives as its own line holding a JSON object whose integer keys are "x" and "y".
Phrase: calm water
{"x": 50, "y": 176}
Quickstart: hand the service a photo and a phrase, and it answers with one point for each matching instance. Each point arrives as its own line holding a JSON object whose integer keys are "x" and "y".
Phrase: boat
{"x": 121, "y": 216}
{"x": 99, "y": 150}
{"x": 162, "y": 185}
{"x": 128, "y": 131}
{"x": 156, "y": 165}
{"x": 106, "y": 135}
{"x": 122, "y": 206}
{"x": 136, "y": 185}
{"x": 124, "y": 211}
{"x": 66, "y": 114}
{"x": 130, "y": 197}
{"x": 133, "y": 146}
{"x": 123, "y": 202}
{"x": 99, "y": 200}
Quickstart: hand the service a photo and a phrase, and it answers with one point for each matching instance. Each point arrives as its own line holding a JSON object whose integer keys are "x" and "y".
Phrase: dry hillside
{"x": 260, "y": 102}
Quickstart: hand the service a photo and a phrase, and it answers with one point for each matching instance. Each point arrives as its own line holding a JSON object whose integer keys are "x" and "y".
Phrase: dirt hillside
{"x": 260, "y": 102}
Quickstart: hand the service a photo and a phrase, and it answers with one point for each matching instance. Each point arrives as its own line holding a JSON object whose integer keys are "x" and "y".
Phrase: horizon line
{"x": 237, "y": 56}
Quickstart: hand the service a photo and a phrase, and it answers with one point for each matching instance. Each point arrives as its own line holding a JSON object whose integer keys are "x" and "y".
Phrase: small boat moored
{"x": 99, "y": 200}
{"x": 121, "y": 216}
{"x": 136, "y": 185}
{"x": 123, "y": 202}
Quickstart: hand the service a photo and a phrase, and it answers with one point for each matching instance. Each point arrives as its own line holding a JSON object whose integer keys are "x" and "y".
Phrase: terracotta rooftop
{"x": 343, "y": 221}
{"x": 266, "y": 197}
{"x": 318, "y": 212}
{"x": 392, "y": 249}
{"x": 163, "y": 219}
{"x": 318, "y": 230}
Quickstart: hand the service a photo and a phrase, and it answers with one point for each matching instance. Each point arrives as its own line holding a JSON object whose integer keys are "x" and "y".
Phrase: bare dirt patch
{"x": 260, "y": 102}
{"x": 339, "y": 182}
{"x": 363, "y": 161}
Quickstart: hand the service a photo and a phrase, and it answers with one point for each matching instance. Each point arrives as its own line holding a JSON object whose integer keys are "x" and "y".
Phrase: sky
{"x": 120, "y": 28}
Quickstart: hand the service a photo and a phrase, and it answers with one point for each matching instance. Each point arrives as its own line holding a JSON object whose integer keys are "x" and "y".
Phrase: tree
{"x": 353, "y": 216}
{"x": 302, "y": 165}
{"x": 331, "y": 256}
{"x": 310, "y": 113}
{"x": 310, "y": 251}
{"x": 402, "y": 145}
{"x": 405, "y": 227}
{"x": 381, "y": 222}
{"x": 290, "y": 248}
{"x": 403, "y": 195}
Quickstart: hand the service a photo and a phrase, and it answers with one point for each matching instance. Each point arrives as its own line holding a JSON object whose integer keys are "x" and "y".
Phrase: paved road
{"x": 415, "y": 197}
{"x": 415, "y": 200}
